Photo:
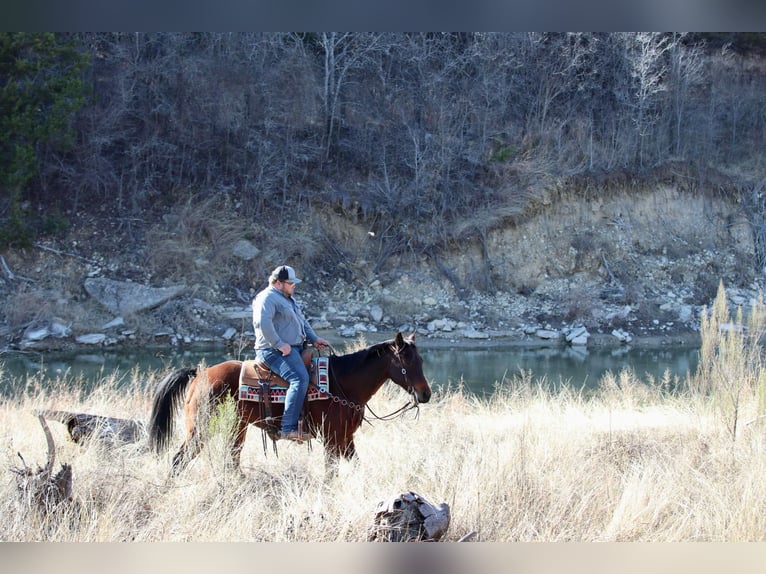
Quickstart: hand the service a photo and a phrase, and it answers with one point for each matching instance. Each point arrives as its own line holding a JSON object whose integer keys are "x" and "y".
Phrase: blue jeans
{"x": 291, "y": 369}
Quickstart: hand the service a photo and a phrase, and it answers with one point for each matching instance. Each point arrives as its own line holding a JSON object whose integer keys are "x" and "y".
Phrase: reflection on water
{"x": 480, "y": 369}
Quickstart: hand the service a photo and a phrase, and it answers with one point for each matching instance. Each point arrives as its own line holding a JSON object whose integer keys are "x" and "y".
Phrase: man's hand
{"x": 321, "y": 344}
{"x": 285, "y": 349}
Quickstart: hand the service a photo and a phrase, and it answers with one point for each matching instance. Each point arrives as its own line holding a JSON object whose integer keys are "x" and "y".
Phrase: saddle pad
{"x": 319, "y": 385}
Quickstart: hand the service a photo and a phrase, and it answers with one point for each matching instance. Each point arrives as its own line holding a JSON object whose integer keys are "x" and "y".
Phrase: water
{"x": 479, "y": 369}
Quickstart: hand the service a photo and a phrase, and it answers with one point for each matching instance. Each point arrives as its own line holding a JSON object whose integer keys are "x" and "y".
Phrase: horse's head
{"x": 406, "y": 368}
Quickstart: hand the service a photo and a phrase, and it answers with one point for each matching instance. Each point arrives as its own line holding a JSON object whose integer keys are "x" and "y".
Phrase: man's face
{"x": 286, "y": 287}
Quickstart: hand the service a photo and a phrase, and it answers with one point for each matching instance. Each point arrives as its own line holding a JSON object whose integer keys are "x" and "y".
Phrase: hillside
{"x": 644, "y": 260}
{"x": 463, "y": 185}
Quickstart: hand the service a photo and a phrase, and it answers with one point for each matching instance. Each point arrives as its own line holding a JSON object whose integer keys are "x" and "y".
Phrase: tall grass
{"x": 731, "y": 371}
{"x": 632, "y": 461}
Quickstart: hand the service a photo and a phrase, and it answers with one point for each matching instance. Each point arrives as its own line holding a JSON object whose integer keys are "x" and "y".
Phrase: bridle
{"x": 413, "y": 404}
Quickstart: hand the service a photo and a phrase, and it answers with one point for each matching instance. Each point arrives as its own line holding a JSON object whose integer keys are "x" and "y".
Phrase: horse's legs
{"x": 189, "y": 449}
{"x": 192, "y": 444}
{"x": 333, "y": 452}
{"x": 238, "y": 443}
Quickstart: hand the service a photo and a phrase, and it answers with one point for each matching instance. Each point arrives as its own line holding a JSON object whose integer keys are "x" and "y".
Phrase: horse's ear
{"x": 399, "y": 340}
{"x": 411, "y": 338}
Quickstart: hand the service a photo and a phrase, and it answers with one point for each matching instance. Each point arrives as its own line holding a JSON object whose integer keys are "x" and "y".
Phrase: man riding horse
{"x": 281, "y": 332}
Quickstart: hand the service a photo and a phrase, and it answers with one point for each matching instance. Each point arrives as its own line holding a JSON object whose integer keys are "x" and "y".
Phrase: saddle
{"x": 255, "y": 370}
{"x": 257, "y": 382}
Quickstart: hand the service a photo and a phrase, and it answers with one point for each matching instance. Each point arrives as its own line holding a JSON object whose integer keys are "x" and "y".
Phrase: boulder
{"x": 578, "y": 336}
{"x": 245, "y": 250}
{"x": 127, "y": 297}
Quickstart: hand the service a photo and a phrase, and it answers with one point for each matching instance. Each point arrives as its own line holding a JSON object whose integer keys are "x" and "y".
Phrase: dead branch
{"x": 42, "y": 490}
{"x": 64, "y": 253}
{"x": 11, "y": 275}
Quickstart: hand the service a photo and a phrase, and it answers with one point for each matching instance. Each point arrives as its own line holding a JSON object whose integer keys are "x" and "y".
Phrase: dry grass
{"x": 627, "y": 464}
{"x": 196, "y": 235}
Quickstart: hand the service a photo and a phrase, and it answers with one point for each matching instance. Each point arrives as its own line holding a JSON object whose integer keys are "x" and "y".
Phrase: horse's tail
{"x": 167, "y": 399}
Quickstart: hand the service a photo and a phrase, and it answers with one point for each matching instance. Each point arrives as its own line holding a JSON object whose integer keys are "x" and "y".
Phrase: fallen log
{"x": 82, "y": 426}
{"x": 409, "y": 517}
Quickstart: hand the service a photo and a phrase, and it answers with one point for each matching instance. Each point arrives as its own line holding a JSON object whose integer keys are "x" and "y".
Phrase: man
{"x": 280, "y": 333}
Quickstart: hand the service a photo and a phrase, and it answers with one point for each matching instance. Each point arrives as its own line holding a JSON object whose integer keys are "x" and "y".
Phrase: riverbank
{"x": 629, "y": 461}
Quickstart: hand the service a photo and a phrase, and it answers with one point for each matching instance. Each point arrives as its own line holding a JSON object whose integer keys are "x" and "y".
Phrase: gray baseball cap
{"x": 285, "y": 273}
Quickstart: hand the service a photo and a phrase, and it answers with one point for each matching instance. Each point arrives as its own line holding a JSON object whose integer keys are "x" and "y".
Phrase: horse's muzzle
{"x": 421, "y": 396}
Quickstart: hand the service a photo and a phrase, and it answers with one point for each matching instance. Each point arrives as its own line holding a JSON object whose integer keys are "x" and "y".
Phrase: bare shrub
{"x": 731, "y": 366}
{"x": 195, "y": 235}
{"x": 25, "y": 306}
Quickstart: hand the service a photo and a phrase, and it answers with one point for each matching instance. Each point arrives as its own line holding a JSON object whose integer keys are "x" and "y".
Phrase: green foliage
{"x": 731, "y": 370}
{"x": 503, "y": 154}
{"x": 223, "y": 422}
{"x": 42, "y": 90}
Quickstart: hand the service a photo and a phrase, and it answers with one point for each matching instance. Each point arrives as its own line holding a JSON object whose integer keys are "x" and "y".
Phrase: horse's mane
{"x": 351, "y": 361}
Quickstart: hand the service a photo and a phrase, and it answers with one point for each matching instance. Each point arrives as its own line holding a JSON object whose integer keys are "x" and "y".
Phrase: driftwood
{"x": 82, "y": 426}
{"x": 409, "y": 517}
{"x": 43, "y": 490}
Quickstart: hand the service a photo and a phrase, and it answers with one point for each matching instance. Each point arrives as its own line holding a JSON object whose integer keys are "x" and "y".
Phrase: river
{"x": 480, "y": 369}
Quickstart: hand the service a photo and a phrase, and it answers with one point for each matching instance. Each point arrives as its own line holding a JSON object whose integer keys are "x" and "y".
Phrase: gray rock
{"x": 472, "y": 333}
{"x": 37, "y": 334}
{"x": 376, "y": 313}
{"x": 54, "y": 329}
{"x": 547, "y": 334}
{"x": 91, "y": 339}
{"x": 127, "y": 297}
{"x": 347, "y": 332}
{"x": 245, "y": 250}
{"x": 685, "y": 313}
{"x": 116, "y": 322}
{"x": 582, "y": 340}
{"x": 238, "y": 313}
{"x": 578, "y": 336}
{"x": 320, "y": 323}
{"x": 622, "y": 336}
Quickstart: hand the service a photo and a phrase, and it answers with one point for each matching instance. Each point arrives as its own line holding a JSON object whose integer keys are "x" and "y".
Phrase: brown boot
{"x": 295, "y": 435}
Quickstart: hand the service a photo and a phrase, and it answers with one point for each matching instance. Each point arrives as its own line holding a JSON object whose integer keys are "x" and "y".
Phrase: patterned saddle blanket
{"x": 252, "y": 378}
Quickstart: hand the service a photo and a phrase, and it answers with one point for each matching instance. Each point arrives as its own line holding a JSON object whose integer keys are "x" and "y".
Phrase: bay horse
{"x": 353, "y": 379}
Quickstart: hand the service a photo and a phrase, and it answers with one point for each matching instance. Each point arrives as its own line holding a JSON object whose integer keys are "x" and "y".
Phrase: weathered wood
{"x": 82, "y": 426}
{"x": 409, "y": 517}
{"x": 44, "y": 491}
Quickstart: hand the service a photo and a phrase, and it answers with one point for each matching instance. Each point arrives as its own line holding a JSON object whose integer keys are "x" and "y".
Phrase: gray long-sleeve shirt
{"x": 277, "y": 320}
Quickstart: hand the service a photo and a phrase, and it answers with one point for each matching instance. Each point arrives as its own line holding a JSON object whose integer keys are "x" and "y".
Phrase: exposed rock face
{"x": 128, "y": 297}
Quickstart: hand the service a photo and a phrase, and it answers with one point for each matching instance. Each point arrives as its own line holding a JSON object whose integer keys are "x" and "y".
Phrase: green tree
{"x": 41, "y": 89}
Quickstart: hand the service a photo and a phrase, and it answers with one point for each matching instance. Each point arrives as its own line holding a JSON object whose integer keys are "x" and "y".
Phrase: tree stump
{"x": 408, "y": 518}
